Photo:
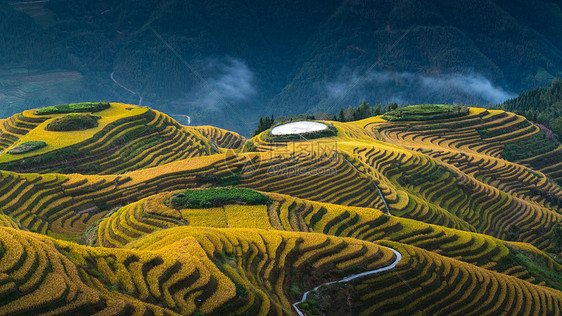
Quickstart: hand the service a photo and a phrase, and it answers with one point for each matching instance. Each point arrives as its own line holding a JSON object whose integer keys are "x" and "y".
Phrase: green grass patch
{"x": 536, "y": 266}
{"x": 529, "y": 147}
{"x": 73, "y": 122}
{"x": 423, "y": 112}
{"x": 213, "y": 197}
{"x": 27, "y": 147}
{"x": 74, "y": 108}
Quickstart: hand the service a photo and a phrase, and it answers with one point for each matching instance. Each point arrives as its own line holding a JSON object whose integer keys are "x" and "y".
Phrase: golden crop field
{"x": 142, "y": 215}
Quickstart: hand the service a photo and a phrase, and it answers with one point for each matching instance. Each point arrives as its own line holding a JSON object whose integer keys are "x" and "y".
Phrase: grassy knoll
{"x": 74, "y": 108}
{"x": 423, "y": 112}
{"x": 213, "y": 197}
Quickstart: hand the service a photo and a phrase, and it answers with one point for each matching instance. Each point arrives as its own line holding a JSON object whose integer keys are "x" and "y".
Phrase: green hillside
{"x": 542, "y": 105}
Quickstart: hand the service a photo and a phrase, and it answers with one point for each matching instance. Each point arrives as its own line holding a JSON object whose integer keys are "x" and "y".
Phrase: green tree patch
{"x": 213, "y": 197}
{"x": 424, "y": 112}
{"x": 73, "y": 122}
{"x": 74, "y": 108}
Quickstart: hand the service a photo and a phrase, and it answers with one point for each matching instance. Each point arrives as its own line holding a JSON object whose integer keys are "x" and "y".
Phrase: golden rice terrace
{"x": 432, "y": 209}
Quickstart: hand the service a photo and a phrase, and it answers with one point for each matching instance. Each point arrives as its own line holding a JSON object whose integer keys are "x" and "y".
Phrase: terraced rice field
{"x": 389, "y": 217}
{"x": 127, "y": 138}
{"x": 286, "y": 213}
{"x": 222, "y": 138}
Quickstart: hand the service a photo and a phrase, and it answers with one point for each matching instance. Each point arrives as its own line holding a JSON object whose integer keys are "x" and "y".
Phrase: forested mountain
{"x": 228, "y": 63}
{"x": 542, "y": 105}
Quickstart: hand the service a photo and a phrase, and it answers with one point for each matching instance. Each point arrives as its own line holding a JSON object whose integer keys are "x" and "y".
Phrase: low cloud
{"x": 476, "y": 85}
{"x": 227, "y": 80}
{"x": 407, "y": 87}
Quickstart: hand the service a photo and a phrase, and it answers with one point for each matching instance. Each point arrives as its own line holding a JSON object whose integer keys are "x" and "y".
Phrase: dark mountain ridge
{"x": 228, "y": 63}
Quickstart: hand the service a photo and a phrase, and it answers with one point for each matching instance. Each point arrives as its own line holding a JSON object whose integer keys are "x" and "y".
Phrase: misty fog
{"x": 412, "y": 88}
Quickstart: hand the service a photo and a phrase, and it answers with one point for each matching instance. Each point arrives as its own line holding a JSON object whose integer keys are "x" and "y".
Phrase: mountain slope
{"x": 203, "y": 270}
{"x": 417, "y": 210}
{"x": 227, "y": 64}
{"x": 127, "y": 138}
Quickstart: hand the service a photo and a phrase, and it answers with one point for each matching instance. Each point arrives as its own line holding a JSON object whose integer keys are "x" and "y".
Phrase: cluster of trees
{"x": 74, "y": 108}
{"x": 73, "y": 122}
{"x": 363, "y": 111}
{"x": 264, "y": 124}
{"x": 541, "y": 105}
{"x": 212, "y": 197}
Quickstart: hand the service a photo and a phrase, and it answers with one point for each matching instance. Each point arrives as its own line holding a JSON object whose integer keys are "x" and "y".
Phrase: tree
{"x": 341, "y": 115}
{"x": 377, "y": 110}
{"x": 556, "y": 126}
{"x": 349, "y": 114}
{"x": 264, "y": 124}
{"x": 364, "y": 110}
{"x": 259, "y": 129}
